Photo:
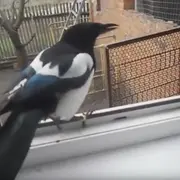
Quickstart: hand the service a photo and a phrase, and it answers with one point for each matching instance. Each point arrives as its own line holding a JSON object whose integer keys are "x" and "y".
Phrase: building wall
{"x": 122, "y": 4}
{"x": 131, "y": 23}
{"x": 166, "y": 9}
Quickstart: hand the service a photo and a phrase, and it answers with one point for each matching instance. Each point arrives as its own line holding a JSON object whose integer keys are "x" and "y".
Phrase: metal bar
{"x": 105, "y": 69}
{"x": 130, "y": 79}
{"x": 71, "y": 13}
{"x": 79, "y": 12}
{"x": 103, "y": 37}
{"x": 118, "y": 110}
{"x": 108, "y": 77}
{"x": 74, "y": 13}
{"x": 68, "y": 19}
{"x": 151, "y": 89}
{"x": 91, "y": 12}
{"x": 94, "y": 92}
{"x": 135, "y": 5}
{"x": 133, "y": 40}
{"x": 150, "y": 56}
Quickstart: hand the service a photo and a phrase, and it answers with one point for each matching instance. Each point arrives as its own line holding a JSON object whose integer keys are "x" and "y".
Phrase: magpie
{"x": 68, "y": 65}
{"x": 57, "y": 81}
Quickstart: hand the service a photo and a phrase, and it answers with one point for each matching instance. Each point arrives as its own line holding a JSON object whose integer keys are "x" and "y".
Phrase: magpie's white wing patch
{"x": 76, "y": 73}
{"x": 79, "y": 65}
{"x": 22, "y": 83}
{"x": 21, "y": 80}
{"x": 16, "y": 88}
{"x": 37, "y": 64}
{"x": 48, "y": 70}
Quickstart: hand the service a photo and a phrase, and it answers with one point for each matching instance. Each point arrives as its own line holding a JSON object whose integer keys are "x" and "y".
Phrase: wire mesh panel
{"x": 162, "y": 9}
{"x": 144, "y": 69}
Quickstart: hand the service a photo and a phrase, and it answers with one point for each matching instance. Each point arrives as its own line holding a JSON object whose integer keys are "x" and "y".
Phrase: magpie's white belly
{"x": 70, "y": 103}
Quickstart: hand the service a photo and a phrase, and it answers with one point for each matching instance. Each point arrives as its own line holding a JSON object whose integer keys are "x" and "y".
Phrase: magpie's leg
{"x": 3, "y": 118}
{"x": 1, "y": 123}
{"x": 55, "y": 119}
{"x": 85, "y": 116}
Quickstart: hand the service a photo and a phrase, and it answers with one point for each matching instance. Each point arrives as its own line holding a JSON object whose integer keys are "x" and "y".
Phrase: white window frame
{"x": 145, "y": 121}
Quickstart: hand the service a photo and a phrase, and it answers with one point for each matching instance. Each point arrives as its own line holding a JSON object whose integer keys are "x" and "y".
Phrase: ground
{"x": 6, "y": 77}
{"x": 132, "y": 24}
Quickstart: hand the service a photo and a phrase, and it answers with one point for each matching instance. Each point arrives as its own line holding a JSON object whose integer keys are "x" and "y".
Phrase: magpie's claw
{"x": 85, "y": 116}
{"x": 55, "y": 120}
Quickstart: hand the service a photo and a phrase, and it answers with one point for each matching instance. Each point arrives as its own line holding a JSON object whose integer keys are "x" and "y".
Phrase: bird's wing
{"x": 20, "y": 81}
{"x": 26, "y": 74}
{"x": 56, "y": 55}
{"x": 42, "y": 88}
{"x": 15, "y": 86}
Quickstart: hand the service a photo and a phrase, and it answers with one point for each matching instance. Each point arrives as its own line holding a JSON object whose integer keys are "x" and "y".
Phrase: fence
{"x": 166, "y": 9}
{"x": 144, "y": 69}
{"x": 37, "y": 20}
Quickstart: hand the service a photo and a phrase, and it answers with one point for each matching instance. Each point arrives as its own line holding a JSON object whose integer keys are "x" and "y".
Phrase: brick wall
{"x": 122, "y": 4}
{"x": 131, "y": 23}
{"x": 125, "y": 4}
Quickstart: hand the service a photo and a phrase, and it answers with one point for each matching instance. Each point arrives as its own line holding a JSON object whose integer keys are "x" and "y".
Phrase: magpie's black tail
{"x": 15, "y": 140}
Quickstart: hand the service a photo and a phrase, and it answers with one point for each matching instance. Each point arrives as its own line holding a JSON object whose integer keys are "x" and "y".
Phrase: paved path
{"x": 7, "y": 77}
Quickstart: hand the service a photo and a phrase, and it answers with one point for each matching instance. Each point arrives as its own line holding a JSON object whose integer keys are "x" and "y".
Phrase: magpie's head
{"x": 83, "y": 35}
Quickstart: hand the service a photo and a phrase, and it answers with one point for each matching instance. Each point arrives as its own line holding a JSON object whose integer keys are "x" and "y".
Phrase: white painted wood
{"x": 144, "y": 145}
{"x": 157, "y": 160}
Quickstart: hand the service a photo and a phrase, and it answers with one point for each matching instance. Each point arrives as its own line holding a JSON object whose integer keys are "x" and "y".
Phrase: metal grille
{"x": 144, "y": 69}
{"x": 162, "y": 9}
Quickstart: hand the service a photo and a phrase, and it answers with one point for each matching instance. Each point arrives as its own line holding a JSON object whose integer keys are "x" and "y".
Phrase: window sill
{"x": 144, "y": 122}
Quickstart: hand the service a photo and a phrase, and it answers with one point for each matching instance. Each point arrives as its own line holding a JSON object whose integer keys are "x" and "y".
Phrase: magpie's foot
{"x": 85, "y": 116}
{"x": 55, "y": 120}
{"x": 1, "y": 123}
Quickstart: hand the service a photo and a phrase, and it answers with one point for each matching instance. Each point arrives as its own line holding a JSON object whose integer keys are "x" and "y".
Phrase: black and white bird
{"x": 57, "y": 81}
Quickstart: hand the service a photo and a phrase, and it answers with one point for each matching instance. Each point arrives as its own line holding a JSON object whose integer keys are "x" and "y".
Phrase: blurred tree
{"x": 12, "y": 25}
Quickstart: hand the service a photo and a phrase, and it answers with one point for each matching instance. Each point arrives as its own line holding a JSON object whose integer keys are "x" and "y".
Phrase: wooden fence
{"x": 38, "y": 20}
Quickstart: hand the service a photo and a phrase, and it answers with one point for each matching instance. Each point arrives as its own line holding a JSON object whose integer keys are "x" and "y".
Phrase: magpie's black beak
{"x": 109, "y": 27}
